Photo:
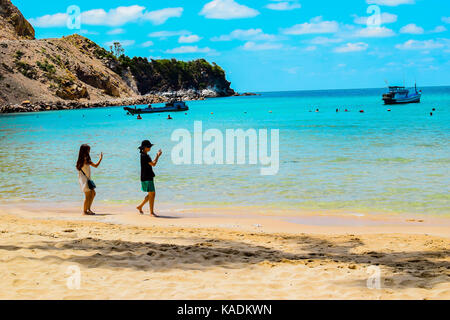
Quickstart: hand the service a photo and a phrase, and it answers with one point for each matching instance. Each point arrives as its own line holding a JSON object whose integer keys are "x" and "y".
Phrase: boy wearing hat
{"x": 147, "y": 176}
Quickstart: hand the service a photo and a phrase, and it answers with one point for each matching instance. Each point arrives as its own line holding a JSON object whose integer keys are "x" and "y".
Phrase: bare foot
{"x": 140, "y": 210}
{"x": 154, "y": 215}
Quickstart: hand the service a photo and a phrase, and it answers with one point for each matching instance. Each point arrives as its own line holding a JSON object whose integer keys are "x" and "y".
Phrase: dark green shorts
{"x": 148, "y": 186}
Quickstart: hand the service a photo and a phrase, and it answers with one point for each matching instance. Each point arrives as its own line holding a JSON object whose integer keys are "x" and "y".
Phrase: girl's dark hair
{"x": 83, "y": 156}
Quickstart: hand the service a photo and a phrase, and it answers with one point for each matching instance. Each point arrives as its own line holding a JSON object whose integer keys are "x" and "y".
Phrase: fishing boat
{"x": 401, "y": 95}
{"x": 173, "y": 106}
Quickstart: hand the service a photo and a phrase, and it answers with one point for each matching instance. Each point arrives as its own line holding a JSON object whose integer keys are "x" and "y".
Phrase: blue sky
{"x": 272, "y": 45}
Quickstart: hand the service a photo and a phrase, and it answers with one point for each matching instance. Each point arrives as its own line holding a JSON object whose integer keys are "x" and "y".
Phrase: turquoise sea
{"x": 371, "y": 162}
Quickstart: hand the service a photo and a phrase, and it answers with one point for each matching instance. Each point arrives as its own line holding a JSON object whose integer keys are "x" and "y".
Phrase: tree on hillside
{"x": 117, "y": 49}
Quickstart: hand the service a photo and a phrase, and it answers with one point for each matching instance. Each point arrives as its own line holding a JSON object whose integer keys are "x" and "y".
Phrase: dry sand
{"x": 195, "y": 255}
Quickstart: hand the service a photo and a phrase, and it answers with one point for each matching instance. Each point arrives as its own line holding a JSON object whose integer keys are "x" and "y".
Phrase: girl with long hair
{"x": 87, "y": 186}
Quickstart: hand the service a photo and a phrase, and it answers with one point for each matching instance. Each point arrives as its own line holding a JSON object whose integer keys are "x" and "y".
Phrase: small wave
{"x": 341, "y": 159}
{"x": 394, "y": 160}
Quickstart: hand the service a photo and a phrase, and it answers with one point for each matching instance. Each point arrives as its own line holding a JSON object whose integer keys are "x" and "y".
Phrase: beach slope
{"x": 172, "y": 259}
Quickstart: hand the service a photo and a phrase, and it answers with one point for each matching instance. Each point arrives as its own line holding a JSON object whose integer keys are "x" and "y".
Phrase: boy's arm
{"x": 155, "y": 162}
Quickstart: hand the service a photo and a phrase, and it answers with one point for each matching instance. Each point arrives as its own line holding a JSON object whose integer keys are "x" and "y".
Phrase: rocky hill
{"x": 75, "y": 69}
{"x": 13, "y": 25}
{"x": 56, "y": 69}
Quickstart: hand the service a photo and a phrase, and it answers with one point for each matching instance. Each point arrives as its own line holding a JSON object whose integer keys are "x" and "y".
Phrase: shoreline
{"x": 152, "y": 98}
{"x": 239, "y": 218}
{"x": 123, "y": 255}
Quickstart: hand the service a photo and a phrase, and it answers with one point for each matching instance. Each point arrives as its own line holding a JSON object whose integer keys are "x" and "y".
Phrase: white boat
{"x": 401, "y": 95}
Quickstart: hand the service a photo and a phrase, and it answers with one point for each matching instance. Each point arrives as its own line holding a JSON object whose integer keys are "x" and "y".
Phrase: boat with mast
{"x": 402, "y": 95}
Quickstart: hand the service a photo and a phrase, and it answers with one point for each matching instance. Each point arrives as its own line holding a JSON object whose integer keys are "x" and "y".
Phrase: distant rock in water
{"x": 13, "y": 26}
{"x": 74, "y": 68}
{"x": 247, "y": 94}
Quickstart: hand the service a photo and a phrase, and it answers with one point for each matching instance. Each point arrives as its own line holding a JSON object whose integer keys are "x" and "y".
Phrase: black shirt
{"x": 147, "y": 173}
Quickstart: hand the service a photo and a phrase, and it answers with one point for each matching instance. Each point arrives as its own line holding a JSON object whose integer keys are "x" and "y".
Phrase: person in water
{"x": 147, "y": 176}
{"x": 84, "y": 165}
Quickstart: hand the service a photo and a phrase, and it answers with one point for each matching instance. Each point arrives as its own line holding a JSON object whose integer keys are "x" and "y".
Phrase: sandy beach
{"x": 218, "y": 254}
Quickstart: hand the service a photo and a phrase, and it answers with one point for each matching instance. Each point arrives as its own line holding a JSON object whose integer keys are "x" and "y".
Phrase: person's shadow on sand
{"x": 167, "y": 217}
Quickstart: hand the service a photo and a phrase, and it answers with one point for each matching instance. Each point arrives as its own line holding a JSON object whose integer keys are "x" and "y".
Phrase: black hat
{"x": 146, "y": 144}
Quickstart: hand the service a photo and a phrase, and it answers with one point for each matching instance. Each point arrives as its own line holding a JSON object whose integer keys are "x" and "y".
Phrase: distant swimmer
{"x": 337, "y": 110}
{"x": 361, "y": 111}
{"x": 434, "y": 109}
{"x": 139, "y": 117}
{"x": 389, "y": 110}
{"x": 317, "y": 110}
{"x": 346, "y": 110}
{"x": 169, "y": 117}
{"x": 431, "y": 113}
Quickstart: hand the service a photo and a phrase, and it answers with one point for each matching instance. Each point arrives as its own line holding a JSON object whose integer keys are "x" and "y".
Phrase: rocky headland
{"x": 74, "y": 72}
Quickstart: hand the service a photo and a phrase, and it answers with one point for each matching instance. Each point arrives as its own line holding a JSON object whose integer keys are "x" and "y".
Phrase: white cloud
{"x": 293, "y": 70}
{"x": 189, "y": 39}
{"x": 50, "y": 20}
{"x": 245, "y": 35}
{"x": 159, "y": 17}
{"x": 352, "y": 47}
{"x": 420, "y": 45}
{"x": 379, "y": 32}
{"x": 311, "y": 48}
{"x": 315, "y": 26}
{"x": 390, "y": 3}
{"x": 168, "y": 34}
{"x": 385, "y": 18}
{"x": 280, "y": 5}
{"x": 439, "y": 29}
{"x": 446, "y": 19}
{"x": 189, "y": 49}
{"x": 253, "y": 46}
{"x": 114, "y": 17}
{"x": 116, "y": 31}
{"x": 412, "y": 29}
{"x": 124, "y": 43}
{"x": 147, "y": 44}
{"x": 324, "y": 40}
{"x": 226, "y": 10}
{"x": 87, "y": 32}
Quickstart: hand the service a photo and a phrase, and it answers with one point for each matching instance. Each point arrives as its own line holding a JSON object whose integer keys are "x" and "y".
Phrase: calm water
{"x": 375, "y": 162}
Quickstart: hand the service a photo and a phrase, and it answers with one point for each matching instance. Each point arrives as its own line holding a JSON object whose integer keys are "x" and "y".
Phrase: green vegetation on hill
{"x": 168, "y": 74}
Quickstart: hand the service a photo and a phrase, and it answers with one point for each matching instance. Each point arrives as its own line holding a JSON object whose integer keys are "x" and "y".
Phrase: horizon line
{"x": 333, "y": 89}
